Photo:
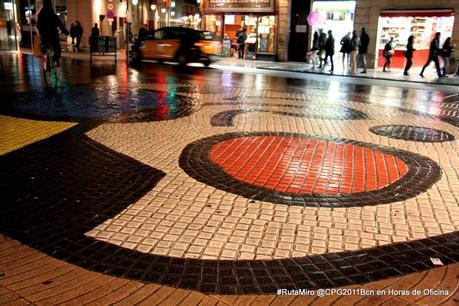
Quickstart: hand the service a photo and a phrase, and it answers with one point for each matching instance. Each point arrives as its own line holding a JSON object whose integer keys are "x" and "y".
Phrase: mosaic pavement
{"x": 232, "y": 190}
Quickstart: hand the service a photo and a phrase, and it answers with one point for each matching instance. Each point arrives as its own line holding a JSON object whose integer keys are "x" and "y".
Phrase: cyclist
{"x": 47, "y": 25}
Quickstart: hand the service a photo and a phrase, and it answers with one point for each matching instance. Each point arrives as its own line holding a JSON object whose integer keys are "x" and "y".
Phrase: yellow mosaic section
{"x": 16, "y": 133}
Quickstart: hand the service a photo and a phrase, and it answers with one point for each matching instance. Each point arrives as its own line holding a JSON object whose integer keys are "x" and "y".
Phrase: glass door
{"x": 9, "y": 28}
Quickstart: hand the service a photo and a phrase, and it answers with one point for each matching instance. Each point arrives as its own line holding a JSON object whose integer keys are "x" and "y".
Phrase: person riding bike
{"x": 47, "y": 25}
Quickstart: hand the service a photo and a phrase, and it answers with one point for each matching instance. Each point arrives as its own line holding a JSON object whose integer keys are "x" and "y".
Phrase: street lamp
{"x": 135, "y": 2}
{"x": 153, "y": 7}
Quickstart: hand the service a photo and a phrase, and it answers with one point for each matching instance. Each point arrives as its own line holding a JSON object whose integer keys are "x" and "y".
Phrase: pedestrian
{"x": 345, "y": 49}
{"x": 143, "y": 32}
{"x": 78, "y": 35}
{"x": 322, "y": 40}
{"x": 434, "y": 52}
{"x": 363, "y": 50}
{"x": 241, "y": 36}
{"x": 329, "y": 50}
{"x": 312, "y": 54}
{"x": 447, "y": 50}
{"x": 355, "y": 46}
{"x": 388, "y": 52}
{"x": 94, "y": 38}
{"x": 72, "y": 33}
{"x": 409, "y": 54}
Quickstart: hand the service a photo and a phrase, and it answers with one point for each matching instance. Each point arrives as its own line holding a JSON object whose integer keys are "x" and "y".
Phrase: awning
{"x": 418, "y": 13}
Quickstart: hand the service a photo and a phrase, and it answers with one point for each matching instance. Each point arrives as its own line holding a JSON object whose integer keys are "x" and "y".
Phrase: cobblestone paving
{"x": 25, "y": 281}
{"x": 122, "y": 199}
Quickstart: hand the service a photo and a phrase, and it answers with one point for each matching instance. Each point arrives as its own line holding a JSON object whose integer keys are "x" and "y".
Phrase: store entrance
{"x": 260, "y": 30}
{"x": 339, "y": 18}
{"x": 260, "y": 33}
{"x": 421, "y": 24}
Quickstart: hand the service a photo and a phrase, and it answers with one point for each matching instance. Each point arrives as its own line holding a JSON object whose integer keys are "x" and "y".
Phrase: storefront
{"x": 10, "y": 33}
{"x": 225, "y": 17}
{"x": 422, "y": 24}
{"x": 339, "y": 18}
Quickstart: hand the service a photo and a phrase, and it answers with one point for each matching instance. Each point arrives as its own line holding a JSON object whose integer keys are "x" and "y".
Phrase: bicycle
{"x": 51, "y": 68}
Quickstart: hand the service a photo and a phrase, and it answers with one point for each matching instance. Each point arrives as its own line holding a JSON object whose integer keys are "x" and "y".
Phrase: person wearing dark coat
{"x": 143, "y": 32}
{"x": 345, "y": 49}
{"x": 314, "y": 49}
{"x": 409, "y": 54}
{"x": 434, "y": 52}
{"x": 47, "y": 24}
{"x": 322, "y": 40}
{"x": 388, "y": 52}
{"x": 241, "y": 36}
{"x": 78, "y": 35}
{"x": 363, "y": 50}
{"x": 447, "y": 50}
{"x": 329, "y": 50}
{"x": 72, "y": 33}
{"x": 95, "y": 33}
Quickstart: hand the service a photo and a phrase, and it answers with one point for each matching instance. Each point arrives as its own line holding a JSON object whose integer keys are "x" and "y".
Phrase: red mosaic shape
{"x": 297, "y": 165}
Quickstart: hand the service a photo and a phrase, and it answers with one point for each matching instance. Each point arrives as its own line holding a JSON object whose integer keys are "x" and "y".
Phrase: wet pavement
{"x": 226, "y": 183}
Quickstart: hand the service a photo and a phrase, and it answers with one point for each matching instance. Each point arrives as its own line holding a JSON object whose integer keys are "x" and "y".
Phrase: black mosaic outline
{"x": 187, "y": 107}
{"x": 422, "y": 174}
{"x": 226, "y": 118}
{"x": 412, "y": 133}
{"x": 58, "y": 189}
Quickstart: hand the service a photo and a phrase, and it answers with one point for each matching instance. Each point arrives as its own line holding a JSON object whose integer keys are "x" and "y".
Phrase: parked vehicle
{"x": 182, "y": 45}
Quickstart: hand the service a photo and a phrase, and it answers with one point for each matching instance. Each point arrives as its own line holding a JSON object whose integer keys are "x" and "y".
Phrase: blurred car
{"x": 182, "y": 45}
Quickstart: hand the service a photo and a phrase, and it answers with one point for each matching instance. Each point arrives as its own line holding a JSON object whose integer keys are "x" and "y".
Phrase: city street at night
{"x": 232, "y": 185}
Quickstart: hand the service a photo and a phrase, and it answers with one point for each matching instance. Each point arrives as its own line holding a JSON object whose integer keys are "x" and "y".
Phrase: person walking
{"x": 409, "y": 54}
{"x": 346, "y": 49}
{"x": 93, "y": 39}
{"x": 434, "y": 52}
{"x": 363, "y": 50}
{"x": 72, "y": 33}
{"x": 322, "y": 40}
{"x": 241, "y": 37}
{"x": 388, "y": 52}
{"x": 314, "y": 49}
{"x": 329, "y": 50}
{"x": 355, "y": 46}
{"x": 143, "y": 32}
{"x": 447, "y": 50}
{"x": 78, "y": 35}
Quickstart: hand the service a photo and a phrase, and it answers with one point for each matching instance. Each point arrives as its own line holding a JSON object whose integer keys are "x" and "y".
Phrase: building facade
{"x": 279, "y": 27}
{"x": 384, "y": 19}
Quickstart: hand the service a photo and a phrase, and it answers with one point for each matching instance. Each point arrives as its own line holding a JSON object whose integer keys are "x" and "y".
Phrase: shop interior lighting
{"x": 153, "y": 7}
{"x": 134, "y": 2}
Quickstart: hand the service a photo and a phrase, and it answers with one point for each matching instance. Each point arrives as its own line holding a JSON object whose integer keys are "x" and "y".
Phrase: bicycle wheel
{"x": 47, "y": 70}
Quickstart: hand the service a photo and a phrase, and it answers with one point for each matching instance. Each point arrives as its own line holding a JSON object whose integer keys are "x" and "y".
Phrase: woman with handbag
{"x": 388, "y": 52}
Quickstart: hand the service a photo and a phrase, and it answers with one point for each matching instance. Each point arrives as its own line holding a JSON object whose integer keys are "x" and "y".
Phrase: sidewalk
{"x": 296, "y": 67}
{"x": 301, "y": 67}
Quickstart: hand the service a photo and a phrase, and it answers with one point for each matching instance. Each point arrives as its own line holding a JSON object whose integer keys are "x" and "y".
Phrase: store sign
{"x": 213, "y": 6}
{"x": 110, "y": 13}
{"x": 8, "y": 6}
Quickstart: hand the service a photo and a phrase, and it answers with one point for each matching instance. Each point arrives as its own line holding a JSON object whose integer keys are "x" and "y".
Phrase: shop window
{"x": 402, "y": 25}
{"x": 266, "y": 34}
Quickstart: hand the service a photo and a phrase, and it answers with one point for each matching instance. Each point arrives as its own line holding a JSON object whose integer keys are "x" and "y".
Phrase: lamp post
{"x": 127, "y": 31}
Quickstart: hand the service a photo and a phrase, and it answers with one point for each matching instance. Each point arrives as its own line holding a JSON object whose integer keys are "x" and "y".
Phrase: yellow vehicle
{"x": 182, "y": 45}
